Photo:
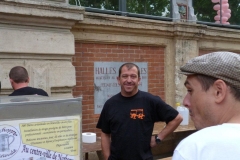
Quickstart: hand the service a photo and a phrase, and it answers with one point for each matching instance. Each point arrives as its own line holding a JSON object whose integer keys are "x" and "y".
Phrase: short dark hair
{"x": 18, "y": 74}
{"x": 129, "y": 66}
{"x": 207, "y": 81}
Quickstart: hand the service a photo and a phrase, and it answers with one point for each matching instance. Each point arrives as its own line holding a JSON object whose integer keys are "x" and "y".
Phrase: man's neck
{"x": 232, "y": 114}
{"x": 20, "y": 85}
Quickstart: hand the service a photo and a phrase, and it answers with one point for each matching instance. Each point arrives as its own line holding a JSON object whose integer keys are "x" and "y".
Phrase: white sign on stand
{"x": 40, "y": 139}
{"x": 106, "y": 84}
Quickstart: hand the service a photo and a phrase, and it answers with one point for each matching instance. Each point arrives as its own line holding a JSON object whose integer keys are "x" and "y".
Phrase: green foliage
{"x": 234, "y": 5}
{"x": 203, "y": 9}
{"x": 101, "y": 4}
{"x": 150, "y": 7}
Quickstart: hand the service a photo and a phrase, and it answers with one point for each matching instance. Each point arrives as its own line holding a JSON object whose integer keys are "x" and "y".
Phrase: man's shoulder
{"x": 205, "y": 134}
{"x": 214, "y": 139}
{"x": 114, "y": 97}
{"x": 29, "y": 91}
{"x": 40, "y": 91}
{"x": 149, "y": 96}
{"x": 35, "y": 89}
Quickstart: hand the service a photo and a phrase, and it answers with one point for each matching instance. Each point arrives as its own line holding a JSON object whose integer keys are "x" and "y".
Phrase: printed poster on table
{"x": 40, "y": 139}
{"x": 106, "y": 84}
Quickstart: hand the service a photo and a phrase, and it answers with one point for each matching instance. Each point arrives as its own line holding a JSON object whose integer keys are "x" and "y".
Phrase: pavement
{"x": 93, "y": 156}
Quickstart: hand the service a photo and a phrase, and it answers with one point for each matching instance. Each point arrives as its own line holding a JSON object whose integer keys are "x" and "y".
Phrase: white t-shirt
{"x": 221, "y": 142}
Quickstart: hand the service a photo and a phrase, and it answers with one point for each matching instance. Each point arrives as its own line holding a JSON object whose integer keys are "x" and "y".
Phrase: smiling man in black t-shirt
{"x": 127, "y": 119}
{"x": 19, "y": 80}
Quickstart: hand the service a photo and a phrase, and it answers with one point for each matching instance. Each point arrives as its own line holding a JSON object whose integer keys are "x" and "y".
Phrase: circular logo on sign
{"x": 10, "y": 141}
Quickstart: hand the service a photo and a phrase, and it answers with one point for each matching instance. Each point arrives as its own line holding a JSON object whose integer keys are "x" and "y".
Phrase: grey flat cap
{"x": 222, "y": 65}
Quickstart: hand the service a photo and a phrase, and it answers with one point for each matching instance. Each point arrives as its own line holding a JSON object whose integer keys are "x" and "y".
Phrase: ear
{"x": 220, "y": 90}
{"x": 139, "y": 79}
{"x": 28, "y": 80}
{"x": 118, "y": 79}
{"x": 12, "y": 83}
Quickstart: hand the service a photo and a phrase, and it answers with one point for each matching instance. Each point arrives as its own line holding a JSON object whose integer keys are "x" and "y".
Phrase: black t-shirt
{"x": 130, "y": 121}
{"x": 28, "y": 91}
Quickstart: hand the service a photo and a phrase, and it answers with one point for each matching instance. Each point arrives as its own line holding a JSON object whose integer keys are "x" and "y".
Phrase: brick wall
{"x": 88, "y": 53}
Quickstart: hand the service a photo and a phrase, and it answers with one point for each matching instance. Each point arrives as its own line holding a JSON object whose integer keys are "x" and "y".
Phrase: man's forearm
{"x": 170, "y": 127}
{"x": 105, "y": 142}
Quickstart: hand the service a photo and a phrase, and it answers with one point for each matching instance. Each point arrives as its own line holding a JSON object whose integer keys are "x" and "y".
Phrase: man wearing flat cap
{"x": 213, "y": 100}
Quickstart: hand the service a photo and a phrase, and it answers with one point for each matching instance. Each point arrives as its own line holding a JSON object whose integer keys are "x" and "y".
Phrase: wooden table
{"x": 160, "y": 125}
{"x": 167, "y": 146}
{"x": 96, "y": 147}
{"x": 92, "y": 147}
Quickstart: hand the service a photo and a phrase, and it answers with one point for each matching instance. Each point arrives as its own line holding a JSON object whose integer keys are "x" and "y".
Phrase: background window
{"x": 203, "y": 9}
{"x": 149, "y": 7}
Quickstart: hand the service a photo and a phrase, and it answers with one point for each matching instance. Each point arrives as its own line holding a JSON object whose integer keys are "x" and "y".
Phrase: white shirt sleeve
{"x": 177, "y": 156}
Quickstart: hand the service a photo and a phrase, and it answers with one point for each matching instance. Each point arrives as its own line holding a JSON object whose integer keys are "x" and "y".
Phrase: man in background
{"x": 213, "y": 99}
{"x": 128, "y": 118}
{"x": 19, "y": 80}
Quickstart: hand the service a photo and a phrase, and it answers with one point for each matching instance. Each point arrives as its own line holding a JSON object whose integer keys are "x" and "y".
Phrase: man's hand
{"x": 153, "y": 142}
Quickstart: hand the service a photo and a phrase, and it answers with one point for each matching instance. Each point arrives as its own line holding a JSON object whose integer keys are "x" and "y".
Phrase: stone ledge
{"x": 96, "y": 22}
{"x": 39, "y": 13}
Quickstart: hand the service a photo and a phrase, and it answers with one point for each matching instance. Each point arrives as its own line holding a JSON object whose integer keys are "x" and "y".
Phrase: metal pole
{"x": 123, "y": 7}
{"x": 221, "y": 11}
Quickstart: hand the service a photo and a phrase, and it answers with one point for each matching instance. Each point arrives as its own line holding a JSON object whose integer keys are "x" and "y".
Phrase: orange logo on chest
{"x": 137, "y": 113}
